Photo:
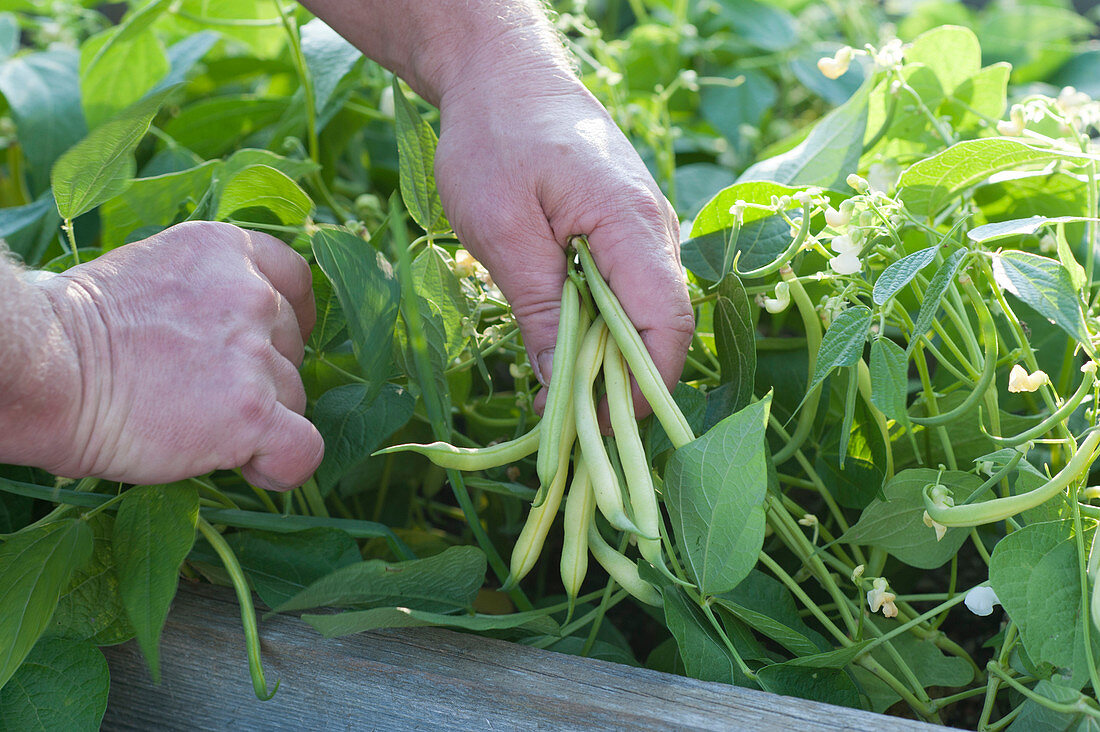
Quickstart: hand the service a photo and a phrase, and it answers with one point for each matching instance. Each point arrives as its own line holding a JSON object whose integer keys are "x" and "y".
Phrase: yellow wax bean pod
{"x": 632, "y": 457}
{"x": 601, "y": 474}
{"x": 645, "y": 371}
{"x": 560, "y": 392}
{"x": 448, "y": 456}
{"x": 529, "y": 543}
{"x": 622, "y": 570}
{"x": 578, "y": 514}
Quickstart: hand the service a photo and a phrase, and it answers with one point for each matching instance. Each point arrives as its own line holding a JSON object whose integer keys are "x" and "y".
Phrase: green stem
{"x": 248, "y": 613}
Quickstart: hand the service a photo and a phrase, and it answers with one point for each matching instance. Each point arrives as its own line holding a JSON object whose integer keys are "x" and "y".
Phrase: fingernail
{"x": 544, "y": 366}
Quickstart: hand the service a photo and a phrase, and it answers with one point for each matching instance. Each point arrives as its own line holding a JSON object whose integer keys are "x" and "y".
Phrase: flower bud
{"x": 856, "y": 182}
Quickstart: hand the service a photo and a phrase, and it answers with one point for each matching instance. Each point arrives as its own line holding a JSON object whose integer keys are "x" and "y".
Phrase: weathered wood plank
{"x": 423, "y": 678}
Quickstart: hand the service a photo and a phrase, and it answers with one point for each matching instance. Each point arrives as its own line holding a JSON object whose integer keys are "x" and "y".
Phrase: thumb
{"x": 288, "y": 452}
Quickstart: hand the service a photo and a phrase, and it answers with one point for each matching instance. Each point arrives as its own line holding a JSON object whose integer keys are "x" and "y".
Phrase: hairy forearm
{"x": 435, "y": 44}
{"x": 21, "y": 315}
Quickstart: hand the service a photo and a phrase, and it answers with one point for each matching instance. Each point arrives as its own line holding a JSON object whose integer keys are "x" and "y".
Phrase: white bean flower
{"x": 847, "y": 260}
{"x": 880, "y": 598}
{"x": 981, "y": 600}
{"x": 836, "y": 66}
{"x": 1020, "y": 380}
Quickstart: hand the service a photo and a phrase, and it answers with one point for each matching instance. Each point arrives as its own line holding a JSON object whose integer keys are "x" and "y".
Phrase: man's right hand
{"x": 169, "y": 358}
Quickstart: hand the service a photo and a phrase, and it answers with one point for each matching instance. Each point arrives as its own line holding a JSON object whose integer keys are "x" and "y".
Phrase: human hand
{"x": 178, "y": 355}
{"x": 525, "y": 163}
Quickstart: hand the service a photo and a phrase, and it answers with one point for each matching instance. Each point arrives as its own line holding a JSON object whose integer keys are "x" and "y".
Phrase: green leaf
{"x": 705, "y": 656}
{"x": 211, "y": 127}
{"x": 261, "y": 186}
{"x": 896, "y": 524}
{"x": 100, "y": 166}
{"x": 329, "y": 59}
{"x": 715, "y": 214}
{"x": 837, "y": 658}
{"x": 715, "y": 488}
{"x": 855, "y": 485}
{"x": 933, "y": 296}
{"x": 842, "y": 344}
{"x": 889, "y": 379}
{"x": 735, "y": 340}
{"x": 828, "y": 685}
{"x": 331, "y": 323}
{"x": 282, "y": 565}
{"x": 446, "y": 581}
{"x": 154, "y": 532}
{"x": 1035, "y": 575}
{"x": 693, "y": 403}
{"x": 1046, "y": 286}
{"x": 436, "y": 282}
{"x": 1035, "y": 38}
{"x": 369, "y": 295}
{"x": 762, "y": 25}
{"x": 759, "y": 242}
{"x": 901, "y": 273}
{"x": 43, "y": 92}
{"x": 1077, "y": 276}
{"x": 115, "y": 72}
{"x": 1017, "y": 227}
{"x": 354, "y": 427}
{"x": 416, "y": 143}
{"x": 62, "y": 685}
{"x": 9, "y": 36}
{"x": 927, "y": 186}
{"x": 153, "y": 201}
{"x": 91, "y": 606}
{"x": 828, "y": 154}
{"x": 359, "y": 621}
{"x": 982, "y": 96}
{"x": 952, "y": 52}
{"x": 35, "y": 567}
{"x": 764, "y": 596}
{"x": 1034, "y": 716}
{"x": 17, "y": 218}
{"x": 733, "y": 107}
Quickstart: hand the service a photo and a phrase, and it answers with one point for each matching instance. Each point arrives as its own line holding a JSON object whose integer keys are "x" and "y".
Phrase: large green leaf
{"x": 43, "y": 92}
{"x": 117, "y": 69}
{"x": 359, "y": 621}
{"x": 447, "y": 581}
{"x": 704, "y": 654}
{"x": 35, "y": 567}
{"x": 91, "y": 606}
{"x": 951, "y": 52}
{"x": 100, "y": 166}
{"x": 1046, "y": 286}
{"x": 354, "y": 427}
{"x": 896, "y": 524}
{"x": 828, "y": 685}
{"x": 715, "y": 488}
{"x": 17, "y": 218}
{"x": 842, "y": 344}
{"x": 930, "y": 184}
{"x": 329, "y": 58}
{"x": 369, "y": 295}
{"x": 758, "y": 243}
{"x": 154, "y": 532}
{"x": 828, "y": 154}
{"x": 416, "y": 143}
{"x": 436, "y": 282}
{"x": 716, "y": 216}
{"x": 261, "y": 186}
{"x": 735, "y": 341}
{"x": 282, "y": 565}
{"x": 764, "y": 604}
{"x": 155, "y": 201}
{"x": 62, "y": 685}
{"x": 211, "y": 127}
{"x": 1034, "y": 572}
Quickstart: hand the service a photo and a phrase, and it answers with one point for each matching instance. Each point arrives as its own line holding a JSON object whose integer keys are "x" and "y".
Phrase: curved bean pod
{"x": 1057, "y": 417}
{"x": 645, "y": 371}
{"x": 560, "y": 392}
{"x": 639, "y": 481}
{"x": 578, "y": 514}
{"x": 998, "y": 509}
{"x": 620, "y": 568}
{"x": 530, "y": 540}
{"x": 446, "y": 455}
{"x": 601, "y": 474}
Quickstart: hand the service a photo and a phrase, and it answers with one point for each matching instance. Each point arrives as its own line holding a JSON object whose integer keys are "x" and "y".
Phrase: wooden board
{"x": 422, "y": 679}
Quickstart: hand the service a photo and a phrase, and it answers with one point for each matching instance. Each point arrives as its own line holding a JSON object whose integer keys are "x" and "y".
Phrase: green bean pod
{"x": 601, "y": 474}
{"x": 645, "y": 371}
{"x": 578, "y": 514}
{"x": 998, "y": 509}
{"x": 632, "y": 457}
{"x": 541, "y": 517}
{"x": 1057, "y": 417}
{"x": 572, "y": 325}
{"x": 448, "y": 456}
{"x": 620, "y": 568}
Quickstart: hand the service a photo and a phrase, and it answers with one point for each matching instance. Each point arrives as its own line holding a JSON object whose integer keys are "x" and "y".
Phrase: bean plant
{"x": 871, "y": 486}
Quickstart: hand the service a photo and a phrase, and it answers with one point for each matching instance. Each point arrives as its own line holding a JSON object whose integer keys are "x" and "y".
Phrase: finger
{"x": 288, "y": 454}
{"x": 289, "y": 273}
{"x": 289, "y": 390}
{"x": 528, "y": 265}
{"x": 639, "y": 257}
{"x": 286, "y": 334}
